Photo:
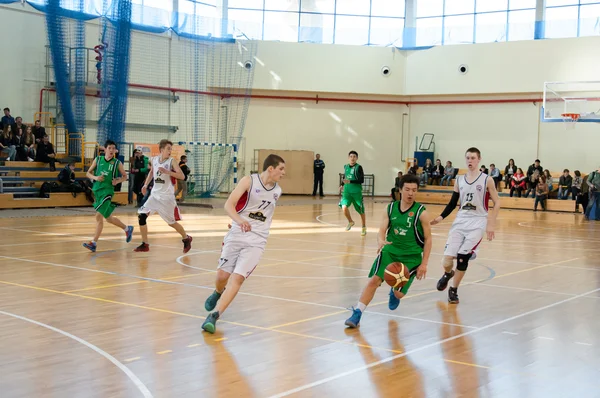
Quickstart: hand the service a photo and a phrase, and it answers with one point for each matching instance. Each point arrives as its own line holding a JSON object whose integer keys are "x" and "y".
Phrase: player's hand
{"x": 245, "y": 226}
{"x": 144, "y": 190}
{"x": 422, "y": 271}
{"x": 346, "y": 181}
{"x": 228, "y": 226}
{"x": 382, "y": 244}
{"x": 116, "y": 182}
{"x": 437, "y": 220}
{"x": 100, "y": 178}
{"x": 162, "y": 170}
{"x": 490, "y": 234}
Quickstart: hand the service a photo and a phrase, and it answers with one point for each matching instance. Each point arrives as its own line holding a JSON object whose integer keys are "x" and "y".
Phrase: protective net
{"x": 141, "y": 87}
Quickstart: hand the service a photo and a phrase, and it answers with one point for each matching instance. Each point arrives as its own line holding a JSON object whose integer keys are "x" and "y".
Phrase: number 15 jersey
{"x": 474, "y": 197}
{"x": 257, "y": 206}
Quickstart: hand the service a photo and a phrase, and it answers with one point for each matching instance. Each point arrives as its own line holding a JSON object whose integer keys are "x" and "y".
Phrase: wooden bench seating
{"x": 7, "y": 201}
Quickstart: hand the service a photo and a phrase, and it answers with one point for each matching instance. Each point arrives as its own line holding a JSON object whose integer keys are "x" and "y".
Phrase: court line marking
{"x": 587, "y": 344}
{"x": 133, "y": 283}
{"x": 307, "y": 336}
{"x": 164, "y": 352}
{"x": 427, "y": 346}
{"x": 138, "y": 383}
{"x": 468, "y": 364}
{"x": 546, "y": 338}
{"x": 194, "y": 345}
{"x": 132, "y": 359}
{"x": 511, "y": 333}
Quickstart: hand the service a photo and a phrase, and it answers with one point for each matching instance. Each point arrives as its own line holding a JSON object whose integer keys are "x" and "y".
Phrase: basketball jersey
{"x": 257, "y": 206}
{"x": 350, "y": 174}
{"x": 405, "y": 231}
{"x": 474, "y": 196}
{"x": 164, "y": 185}
{"x": 107, "y": 168}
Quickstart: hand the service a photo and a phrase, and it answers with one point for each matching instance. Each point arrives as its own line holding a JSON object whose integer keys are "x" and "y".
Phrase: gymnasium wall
{"x": 383, "y": 134}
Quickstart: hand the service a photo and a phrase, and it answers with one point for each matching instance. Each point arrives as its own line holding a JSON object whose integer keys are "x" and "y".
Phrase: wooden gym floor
{"x": 123, "y": 324}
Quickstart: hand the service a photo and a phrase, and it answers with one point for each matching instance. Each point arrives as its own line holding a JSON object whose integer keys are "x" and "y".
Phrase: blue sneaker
{"x": 91, "y": 246}
{"x": 129, "y": 233}
{"x": 211, "y": 301}
{"x": 354, "y": 320}
{"x": 394, "y": 301}
{"x": 210, "y": 324}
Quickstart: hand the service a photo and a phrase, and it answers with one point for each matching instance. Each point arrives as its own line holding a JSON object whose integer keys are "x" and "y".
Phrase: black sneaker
{"x": 210, "y": 324}
{"x": 443, "y": 282}
{"x": 453, "y": 295}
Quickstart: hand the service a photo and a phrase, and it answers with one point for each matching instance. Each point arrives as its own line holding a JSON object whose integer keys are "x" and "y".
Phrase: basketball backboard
{"x": 581, "y": 98}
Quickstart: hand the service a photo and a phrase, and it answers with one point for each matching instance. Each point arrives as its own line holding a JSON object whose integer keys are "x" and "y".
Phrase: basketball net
{"x": 570, "y": 120}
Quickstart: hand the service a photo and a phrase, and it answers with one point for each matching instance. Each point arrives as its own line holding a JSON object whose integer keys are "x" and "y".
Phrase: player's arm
{"x": 360, "y": 176}
{"x": 176, "y": 172}
{"x": 449, "y": 207}
{"x": 234, "y": 198}
{"x": 149, "y": 178}
{"x": 123, "y": 177}
{"x": 383, "y": 227}
{"x": 425, "y": 223}
{"x": 90, "y": 173}
{"x": 493, "y": 214}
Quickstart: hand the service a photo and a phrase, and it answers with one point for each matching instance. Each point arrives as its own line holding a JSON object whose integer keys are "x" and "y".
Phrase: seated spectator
{"x": 549, "y": 180}
{"x": 532, "y": 182}
{"x": 592, "y": 212}
{"x": 396, "y": 190}
{"x": 509, "y": 171}
{"x": 564, "y": 185}
{"x": 541, "y": 193}
{"x": 437, "y": 173}
{"x": 535, "y": 166}
{"x": 7, "y": 143}
{"x": 427, "y": 170}
{"x": 38, "y": 131}
{"x": 45, "y": 153}
{"x": 18, "y": 125}
{"x": 576, "y": 188}
{"x": 448, "y": 173}
{"x": 414, "y": 169}
{"x": 7, "y": 119}
{"x": 495, "y": 174}
{"x": 17, "y": 141}
{"x": 67, "y": 175}
{"x": 518, "y": 182}
{"x": 583, "y": 197}
{"x": 483, "y": 169}
{"x": 29, "y": 144}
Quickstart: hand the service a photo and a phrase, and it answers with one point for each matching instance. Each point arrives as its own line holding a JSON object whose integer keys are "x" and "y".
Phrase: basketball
{"x": 396, "y": 274}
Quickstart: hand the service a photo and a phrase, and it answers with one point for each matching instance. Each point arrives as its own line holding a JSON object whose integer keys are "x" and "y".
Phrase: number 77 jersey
{"x": 257, "y": 206}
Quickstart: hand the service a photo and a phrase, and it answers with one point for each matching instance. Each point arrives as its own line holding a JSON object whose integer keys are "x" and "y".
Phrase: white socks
{"x": 361, "y": 306}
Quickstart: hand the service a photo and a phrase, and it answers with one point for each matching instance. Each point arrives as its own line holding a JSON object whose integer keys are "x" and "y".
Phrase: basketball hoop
{"x": 570, "y": 119}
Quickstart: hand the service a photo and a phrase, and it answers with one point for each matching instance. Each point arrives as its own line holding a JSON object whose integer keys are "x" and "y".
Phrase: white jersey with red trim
{"x": 164, "y": 185}
{"x": 257, "y": 206}
{"x": 474, "y": 196}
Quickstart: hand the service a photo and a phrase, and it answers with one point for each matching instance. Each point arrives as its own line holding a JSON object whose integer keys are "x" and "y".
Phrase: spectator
{"x": 67, "y": 175}
{"x": 535, "y": 166}
{"x": 427, "y": 170}
{"x": 448, "y": 173}
{"x": 7, "y": 119}
{"x": 19, "y": 125}
{"x": 318, "y": 170}
{"x": 437, "y": 173}
{"x": 541, "y": 193}
{"x": 592, "y": 211}
{"x": 182, "y": 184}
{"x": 549, "y": 181}
{"x": 532, "y": 182}
{"x": 139, "y": 169}
{"x": 509, "y": 170}
{"x": 6, "y": 143}
{"x": 38, "y": 131}
{"x": 17, "y": 141}
{"x": 518, "y": 182}
{"x": 45, "y": 153}
{"x": 584, "y": 196}
{"x": 396, "y": 190}
{"x": 414, "y": 169}
{"x": 495, "y": 174}
{"x": 564, "y": 185}
{"x": 29, "y": 144}
{"x": 576, "y": 188}
{"x": 483, "y": 169}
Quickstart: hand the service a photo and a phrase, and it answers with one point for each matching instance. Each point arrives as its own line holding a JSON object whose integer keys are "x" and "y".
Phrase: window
{"x": 281, "y": 26}
{"x": 387, "y": 8}
{"x": 316, "y": 28}
{"x": 248, "y": 22}
{"x": 386, "y": 30}
{"x": 351, "y": 30}
{"x": 429, "y": 31}
{"x": 491, "y": 5}
{"x": 458, "y": 29}
{"x": 589, "y": 22}
{"x": 282, "y": 5}
{"x": 353, "y": 7}
{"x": 456, "y": 7}
{"x": 429, "y": 8}
{"x": 490, "y": 27}
{"x": 521, "y": 25}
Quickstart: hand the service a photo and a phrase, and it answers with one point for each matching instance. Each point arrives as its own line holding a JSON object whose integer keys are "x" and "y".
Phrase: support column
{"x": 540, "y": 20}
{"x": 409, "y": 36}
{"x": 223, "y": 12}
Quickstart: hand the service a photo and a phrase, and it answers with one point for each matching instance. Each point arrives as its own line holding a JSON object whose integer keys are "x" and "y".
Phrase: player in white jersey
{"x": 165, "y": 173}
{"x": 473, "y": 190}
{"x": 251, "y": 206}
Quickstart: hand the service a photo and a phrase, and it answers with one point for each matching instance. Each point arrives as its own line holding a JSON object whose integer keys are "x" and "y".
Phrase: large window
{"x": 572, "y": 18}
{"x": 360, "y": 22}
{"x": 474, "y": 21}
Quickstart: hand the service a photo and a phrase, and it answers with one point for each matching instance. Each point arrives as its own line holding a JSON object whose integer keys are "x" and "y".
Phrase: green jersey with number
{"x": 405, "y": 231}
{"x": 351, "y": 174}
{"x": 110, "y": 170}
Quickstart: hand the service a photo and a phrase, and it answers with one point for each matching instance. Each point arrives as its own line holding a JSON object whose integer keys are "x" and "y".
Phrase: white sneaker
{"x": 30, "y": 160}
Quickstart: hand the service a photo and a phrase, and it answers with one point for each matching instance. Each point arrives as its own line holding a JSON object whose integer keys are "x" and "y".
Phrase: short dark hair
{"x": 272, "y": 160}
{"x": 109, "y": 142}
{"x": 537, "y": 161}
{"x": 565, "y": 170}
{"x": 353, "y": 152}
{"x": 163, "y": 143}
{"x": 409, "y": 179}
{"x": 6, "y": 109}
{"x": 474, "y": 150}
{"x": 183, "y": 157}
{"x": 492, "y": 165}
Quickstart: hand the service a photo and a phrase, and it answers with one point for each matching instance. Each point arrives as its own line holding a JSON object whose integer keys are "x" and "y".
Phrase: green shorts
{"x": 103, "y": 204}
{"x": 385, "y": 258}
{"x": 355, "y": 199}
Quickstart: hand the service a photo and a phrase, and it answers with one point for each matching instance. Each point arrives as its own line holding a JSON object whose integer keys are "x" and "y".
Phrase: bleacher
{"x": 437, "y": 194}
{"x": 20, "y": 184}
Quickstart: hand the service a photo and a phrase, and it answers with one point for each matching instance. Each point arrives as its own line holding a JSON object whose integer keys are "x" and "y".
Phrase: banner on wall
{"x": 151, "y": 150}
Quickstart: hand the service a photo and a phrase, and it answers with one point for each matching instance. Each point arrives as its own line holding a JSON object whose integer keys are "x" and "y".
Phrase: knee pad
{"x": 142, "y": 218}
{"x": 462, "y": 261}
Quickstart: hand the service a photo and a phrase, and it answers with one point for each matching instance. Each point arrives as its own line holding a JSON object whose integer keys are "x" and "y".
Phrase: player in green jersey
{"x": 104, "y": 171}
{"x": 405, "y": 237}
{"x": 351, "y": 190}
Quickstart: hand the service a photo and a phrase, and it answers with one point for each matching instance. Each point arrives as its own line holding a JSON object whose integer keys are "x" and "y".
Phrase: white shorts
{"x": 465, "y": 236}
{"x": 241, "y": 253}
{"x": 165, "y": 207}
